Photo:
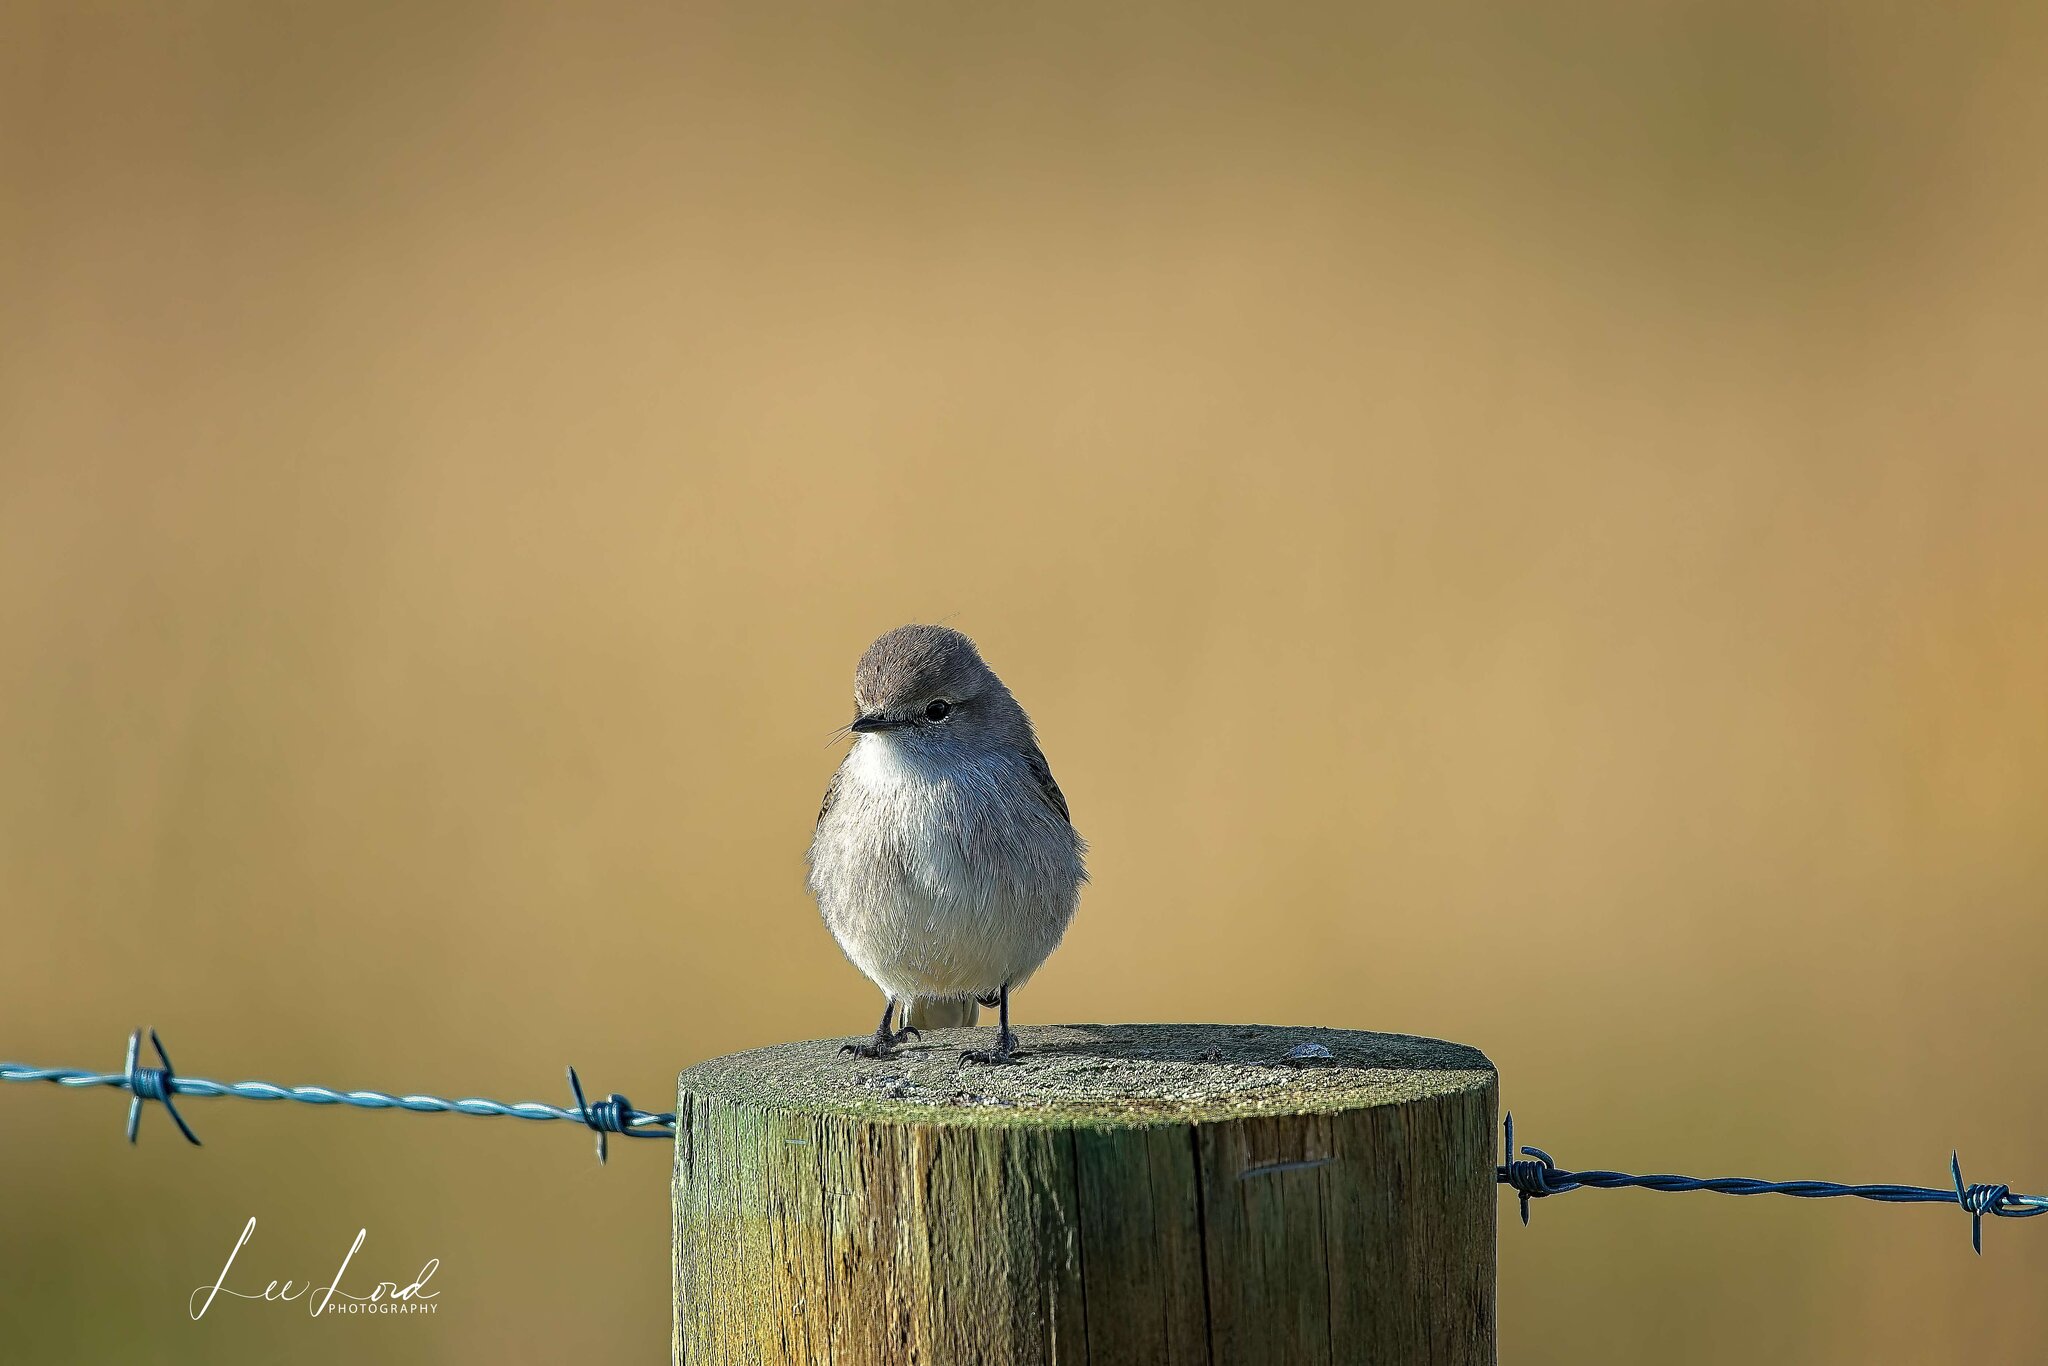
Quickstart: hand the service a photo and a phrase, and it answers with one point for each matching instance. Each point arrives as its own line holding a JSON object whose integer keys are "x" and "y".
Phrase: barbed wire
{"x": 1534, "y": 1179}
{"x": 1533, "y": 1176}
{"x": 612, "y": 1115}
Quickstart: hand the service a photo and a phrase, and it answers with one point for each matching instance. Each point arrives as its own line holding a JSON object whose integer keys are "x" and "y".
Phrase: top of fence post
{"x": 1154, "y": 1193}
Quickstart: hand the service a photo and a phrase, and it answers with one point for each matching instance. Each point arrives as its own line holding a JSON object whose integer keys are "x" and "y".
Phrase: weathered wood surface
{"x": 1125, "y": 1194}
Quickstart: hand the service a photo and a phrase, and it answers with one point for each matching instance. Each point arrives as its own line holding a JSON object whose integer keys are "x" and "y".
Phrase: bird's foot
{"x": 882, "y": 1045}
{"x": 1003, "y": 1054}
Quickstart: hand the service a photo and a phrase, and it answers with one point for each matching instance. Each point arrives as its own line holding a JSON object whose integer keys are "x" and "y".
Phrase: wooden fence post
{"x": 1125, "y": 1194}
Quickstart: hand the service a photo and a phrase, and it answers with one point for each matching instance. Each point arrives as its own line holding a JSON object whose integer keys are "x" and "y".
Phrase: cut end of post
{"x": 1102, "y": 1075}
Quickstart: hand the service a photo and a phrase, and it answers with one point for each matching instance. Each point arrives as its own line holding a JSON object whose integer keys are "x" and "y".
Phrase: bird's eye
{"x": 938, "y": 710}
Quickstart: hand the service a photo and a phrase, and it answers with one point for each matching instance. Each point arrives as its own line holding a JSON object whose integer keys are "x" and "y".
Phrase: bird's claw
{"x": 881, "y": 1045}
{"x": 870, "y": 1048}
{"x": 1004, "y": 1053}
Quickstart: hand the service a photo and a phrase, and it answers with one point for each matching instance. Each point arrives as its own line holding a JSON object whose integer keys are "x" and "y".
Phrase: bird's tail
{"x": 938, "y": 1012}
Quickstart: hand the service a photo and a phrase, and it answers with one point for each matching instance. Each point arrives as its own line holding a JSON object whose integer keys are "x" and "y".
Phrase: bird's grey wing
{"x": 1041, "y": 772}
{"x": 832, "y": 795}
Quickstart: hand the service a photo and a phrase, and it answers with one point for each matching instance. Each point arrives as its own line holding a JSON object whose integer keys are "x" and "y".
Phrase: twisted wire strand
{"x": 613, "y": 1115}
{"x": 322, "y": 1095}
{"x": 1536, "y": 1175}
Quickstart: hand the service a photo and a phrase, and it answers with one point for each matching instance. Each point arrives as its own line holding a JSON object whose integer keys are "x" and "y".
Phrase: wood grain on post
{"x": 1125, "y": 1194}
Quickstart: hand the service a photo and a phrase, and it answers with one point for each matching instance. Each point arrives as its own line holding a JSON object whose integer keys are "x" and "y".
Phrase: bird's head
{"x": 927, "y": 686}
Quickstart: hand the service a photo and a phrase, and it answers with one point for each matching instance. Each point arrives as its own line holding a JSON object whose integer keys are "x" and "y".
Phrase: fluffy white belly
{"x": 929, "y": 881}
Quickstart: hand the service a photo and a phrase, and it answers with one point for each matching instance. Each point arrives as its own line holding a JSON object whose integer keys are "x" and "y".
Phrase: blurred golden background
{"x": 1517, "y": 524}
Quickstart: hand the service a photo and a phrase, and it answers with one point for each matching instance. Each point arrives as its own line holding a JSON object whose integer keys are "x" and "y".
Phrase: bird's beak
{"x": 862, "y": 725}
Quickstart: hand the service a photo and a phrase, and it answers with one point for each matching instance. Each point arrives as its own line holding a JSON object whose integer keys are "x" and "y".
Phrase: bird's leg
{"x": 1005, "y": 1050}
{"x": 883, "y": 1045}
{"x": 906, "y": 1033}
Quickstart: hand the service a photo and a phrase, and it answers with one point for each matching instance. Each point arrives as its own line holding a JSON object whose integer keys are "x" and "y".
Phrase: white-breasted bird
{"x": 944, "y": 860}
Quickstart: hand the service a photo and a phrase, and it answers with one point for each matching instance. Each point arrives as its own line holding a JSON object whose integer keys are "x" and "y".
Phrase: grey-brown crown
{"x": 913, "y": 664}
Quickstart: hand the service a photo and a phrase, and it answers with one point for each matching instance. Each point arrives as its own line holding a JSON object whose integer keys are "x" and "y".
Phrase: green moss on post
{"x": 1127, "y": 1194}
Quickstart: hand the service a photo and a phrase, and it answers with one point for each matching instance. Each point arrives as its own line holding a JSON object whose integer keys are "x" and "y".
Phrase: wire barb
{"x": 615, "y": 1115}
{"x": 1531, "y": 1180}
{"x": 153, "y": 1083}
{"x": 1982, "y": 1200}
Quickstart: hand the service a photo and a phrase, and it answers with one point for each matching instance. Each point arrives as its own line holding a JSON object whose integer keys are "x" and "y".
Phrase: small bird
{"x": 944, "y": 861}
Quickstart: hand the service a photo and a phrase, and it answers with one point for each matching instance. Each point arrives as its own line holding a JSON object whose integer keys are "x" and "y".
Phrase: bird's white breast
{"x": 886, "y": 773}
{"x": 913, "y": 887}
